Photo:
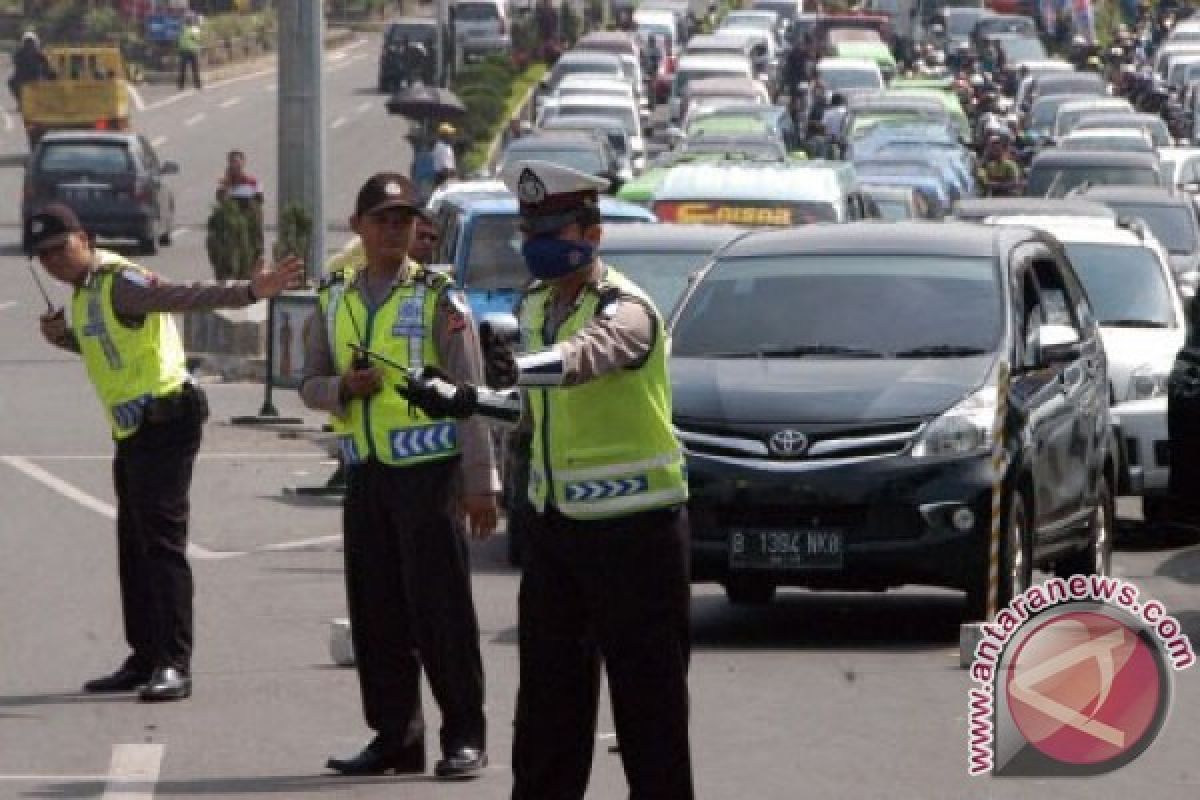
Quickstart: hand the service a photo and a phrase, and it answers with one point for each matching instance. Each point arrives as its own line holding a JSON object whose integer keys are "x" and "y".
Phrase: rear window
{"x": 620, "y": 113}
{"x": 1057, "y": 181}
{"x": 1173, "y": 226}
{"x": 414, "y": 33}
{"x": 476, "y": 12}
{"x": 96, "y": 159}
{"x": 589, "y": 161}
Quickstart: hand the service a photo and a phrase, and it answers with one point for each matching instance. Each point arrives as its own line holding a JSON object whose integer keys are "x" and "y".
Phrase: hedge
{"x": 492, "y": 91}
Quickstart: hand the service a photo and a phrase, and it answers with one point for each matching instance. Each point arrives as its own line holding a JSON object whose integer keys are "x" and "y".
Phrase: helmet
{"x": 29, "y": 36}
{"x": 446, "y": 129}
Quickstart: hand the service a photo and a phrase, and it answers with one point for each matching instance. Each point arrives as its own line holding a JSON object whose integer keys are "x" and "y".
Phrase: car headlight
{"x": 964, "y": 429}
{"x": 1146, "y": 382}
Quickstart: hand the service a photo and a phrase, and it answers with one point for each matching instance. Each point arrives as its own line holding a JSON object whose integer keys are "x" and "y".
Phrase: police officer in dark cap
{"x": 120, "y": 324}
{"x": 604, "y": 576}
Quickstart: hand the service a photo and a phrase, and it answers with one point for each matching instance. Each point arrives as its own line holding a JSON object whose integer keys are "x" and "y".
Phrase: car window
{"x": 662, "y": 274}
{"x": 1032, "y": 318}
{"x": 1173, "y": 226}
{"x": 148, "y": 155}
{"x": 869, "y": 303}
{"x": 86, "y": 157}
{"x": 476, "y": 12}
{"x": 1056, "y": 305}
{"x": 1047, "y": 181}
{"x": 1190, "y": 171}
{"x": 1124, "y": 284}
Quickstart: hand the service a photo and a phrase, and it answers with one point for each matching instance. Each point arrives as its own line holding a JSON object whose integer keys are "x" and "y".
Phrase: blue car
{"x": 480, "y": 244}
{"x": 922, "y": 177}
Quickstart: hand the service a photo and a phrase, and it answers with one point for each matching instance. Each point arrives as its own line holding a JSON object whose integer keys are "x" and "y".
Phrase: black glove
{"x": 499, "y": 363}
{"x": 437, "y": 394}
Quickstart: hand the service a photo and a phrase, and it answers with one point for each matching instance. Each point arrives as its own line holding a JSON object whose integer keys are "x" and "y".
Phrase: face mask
{"x": 549, "y": 258}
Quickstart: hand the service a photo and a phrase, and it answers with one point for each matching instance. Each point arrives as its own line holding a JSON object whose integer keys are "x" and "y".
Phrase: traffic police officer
{"x": 605, "y": 569}
{"x": 119, "y": 323}
{"x": 409, "y": 480}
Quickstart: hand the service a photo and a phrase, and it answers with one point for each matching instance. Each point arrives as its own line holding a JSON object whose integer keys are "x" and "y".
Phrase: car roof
{"x": 599, "y": 100}
{"x": 713, "y": 60}
{"x": 124, "y": 137}
{"x": 594, "y": 79}
{"x": 1113, "y": 158}
{"x": 585, "y": 56}
{"x": 1097, "y": 133}
{"x": 980, "y": 207}
{"x": 716, "y": 39}
{"x": 734, "y": 84}
{"x": 893, "y": 238}
{"x": 1176, "y": 153}
{"x": 667, "y": 237}
{"x": 1094, "y": 102}
{"x": 1043, "y": 79}
{"x": 505, "y": 202}
{"x": 1076, "y": 230}
{"x": 610, "y": 124}
{"x": 560, "y": 139}
{"x": 754, "y": 180}
{"x": 1142, "y": 195}
{"x": 847, "y": 62}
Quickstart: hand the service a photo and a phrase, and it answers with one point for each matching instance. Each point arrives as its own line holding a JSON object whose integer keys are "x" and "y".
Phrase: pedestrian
{"x": 188, "y": 45}
{"x": 445, "y": 166}
{"x": 243, "y": 189}
{"x": 29, "y": 64}
{"x": 604, "y": 571}
{"x": 410, "y": 480}
{"x": 120, "y": 324}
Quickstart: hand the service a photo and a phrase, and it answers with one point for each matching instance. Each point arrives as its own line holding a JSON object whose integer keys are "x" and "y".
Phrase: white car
{"x": 1119, "y": 140}
{"x": 576, "y": 85}
{"x": 1125, "y": 273}
{"x": 601, "y": 105}
{"x": 1070, "y": 113}
{"x": 694, "y": 66}
{"x": 849, "y": 74}
{"x": 1181, "y": 166}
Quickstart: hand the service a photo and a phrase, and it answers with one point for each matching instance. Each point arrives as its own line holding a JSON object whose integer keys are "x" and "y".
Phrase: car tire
{"x": 746, "y": 592}
{"x": 164, "y": 239}
{"x": 1096, "y": 556}
{"x": 1016, "y": 562}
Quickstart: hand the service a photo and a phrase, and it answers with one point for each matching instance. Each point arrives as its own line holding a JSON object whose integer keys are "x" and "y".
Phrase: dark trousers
{"x": 1183, "y": 426}
{"x": 408, "y": 585}
{"x": 189, "y": 61}
{"x": 615, "y": 590}
{"x": 152, "y": 473}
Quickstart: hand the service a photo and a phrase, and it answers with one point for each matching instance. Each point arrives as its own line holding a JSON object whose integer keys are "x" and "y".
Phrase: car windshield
{"x": 1041, "y": 118}
{"x": 475, "y": 12}
{"x": 1057, "y": 181}
{"x": 1068, "y": 119}
{"x": 620, "y": 113}
{"x": 1173, "y": 226}
{"x": 892, "y": 209}
{"x": 493, "y": 259}
{"x": 1125, "y": 285}
{"x": 662, "y": 274}
{"x": 95, "y": 159}
{"x": 685, "y": 76}
{"x": 1125, "y": 144}
{"x": 842, "y": 306}
{"x": 414, "y": 33}
{"x": 564, "y": 68}
{"x": 960, "y": 23}
{"x": 589, "y": 161}
{"x": 1155, "y": 127}
{"x": 836, "y": 79}
{"x": 1025, "y": 48}
{"x": 575, "y": 91}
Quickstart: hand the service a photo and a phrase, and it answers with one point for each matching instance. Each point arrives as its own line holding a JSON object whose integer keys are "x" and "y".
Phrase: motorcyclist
{"x": 999, "y": 174}
{"x": 29, "y": 64}
{"x": 416, "y": 58}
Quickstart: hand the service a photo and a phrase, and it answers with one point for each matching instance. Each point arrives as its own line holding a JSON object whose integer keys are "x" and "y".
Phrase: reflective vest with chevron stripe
{"x": 127, "y": 366}
{"x": 383, "y": 427}
{"x": 604, "y": 448}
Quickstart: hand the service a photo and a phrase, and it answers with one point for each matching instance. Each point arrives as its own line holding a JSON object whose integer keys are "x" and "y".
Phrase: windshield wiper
{"x": 800, "y": 351}
{"x": 1134, "y": 323}
{"x": 941, "y": 351}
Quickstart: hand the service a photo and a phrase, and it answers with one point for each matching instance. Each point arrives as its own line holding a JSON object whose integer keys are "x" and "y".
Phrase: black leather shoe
{"x": 125, "y": 679}
{"x": 381, "y": 756}
{"x": 165, "y": 685}
{"x": 463, "y": 762}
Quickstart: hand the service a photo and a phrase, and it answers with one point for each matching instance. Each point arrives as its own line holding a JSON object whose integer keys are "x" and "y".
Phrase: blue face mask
{"x": 549, "y": 258}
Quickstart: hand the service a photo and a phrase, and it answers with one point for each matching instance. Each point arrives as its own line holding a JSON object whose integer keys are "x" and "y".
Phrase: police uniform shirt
{"x": 457, "y": 346}
{"x": 136, "y": 294}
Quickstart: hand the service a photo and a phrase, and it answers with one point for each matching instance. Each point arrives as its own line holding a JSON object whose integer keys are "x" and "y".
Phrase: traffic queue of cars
{"x": 846, "y": 311}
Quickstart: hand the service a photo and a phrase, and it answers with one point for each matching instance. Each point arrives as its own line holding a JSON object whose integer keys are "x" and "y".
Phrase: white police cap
{"x": 548, "y": 194}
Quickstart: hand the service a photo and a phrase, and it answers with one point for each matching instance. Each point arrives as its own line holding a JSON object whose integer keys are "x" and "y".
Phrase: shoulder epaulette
{"x": 331, "y": 279}
{"x": 434, "y": 279}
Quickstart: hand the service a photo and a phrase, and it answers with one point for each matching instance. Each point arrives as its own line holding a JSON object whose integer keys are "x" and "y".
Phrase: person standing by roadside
{"x": 191, "y": 39}
{"x": 120, "y": 324}
{"x": 445, "y": 165}
{"x": 410, "y": 482}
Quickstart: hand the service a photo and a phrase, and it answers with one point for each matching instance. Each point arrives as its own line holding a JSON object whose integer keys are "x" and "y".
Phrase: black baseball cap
{"x": 50, "y": 225}
{"x": 385, "y": 190}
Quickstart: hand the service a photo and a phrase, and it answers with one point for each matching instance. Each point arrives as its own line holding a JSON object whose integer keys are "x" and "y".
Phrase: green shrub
{"x": 231, "y": 243}
{"x": 295, "y": 232}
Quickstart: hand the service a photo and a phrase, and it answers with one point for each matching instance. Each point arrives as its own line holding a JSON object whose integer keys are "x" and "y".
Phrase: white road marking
{"x": 363, "y": 108}
{"x": 299, "y": 544}
{"x": 270, "y": 87}
{"x": 8, "y": 123}
{"x": 133, "y": 772}
{"x": 158, "y": 141}
{"x": 231, "y": 102}
{"x": 357, "y": 43}
{"x": 8, "y": 305}
{"x": 338, "y": 56}
{"x": 337, "y": 123}
{"x": 138, "y": 102}
{"x": 94, "y": 504}
{"x": 194, "y": 118}
{"x": 179, "y": 233}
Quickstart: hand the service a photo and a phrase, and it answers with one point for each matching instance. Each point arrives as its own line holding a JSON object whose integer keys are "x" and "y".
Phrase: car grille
{"x": 823, "y": 445}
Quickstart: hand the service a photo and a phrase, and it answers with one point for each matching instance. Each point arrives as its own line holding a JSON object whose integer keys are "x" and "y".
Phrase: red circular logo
{"x": 1084, "y": 688}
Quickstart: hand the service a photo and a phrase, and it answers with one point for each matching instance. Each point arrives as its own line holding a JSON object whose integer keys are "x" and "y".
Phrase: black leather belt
{"x": 189, "y": 401}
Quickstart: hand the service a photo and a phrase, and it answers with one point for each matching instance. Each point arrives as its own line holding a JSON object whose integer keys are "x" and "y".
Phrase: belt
{"x": 189, "y": 401}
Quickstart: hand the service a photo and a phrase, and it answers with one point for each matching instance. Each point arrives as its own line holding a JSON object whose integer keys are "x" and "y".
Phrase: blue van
{"x": 478, "y": 242}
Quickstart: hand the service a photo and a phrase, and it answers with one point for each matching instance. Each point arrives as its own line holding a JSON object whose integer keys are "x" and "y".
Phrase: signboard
{"x": 716, "y": 213}
{"x": 163, "y": 27}
{"x": 291, "y": 314}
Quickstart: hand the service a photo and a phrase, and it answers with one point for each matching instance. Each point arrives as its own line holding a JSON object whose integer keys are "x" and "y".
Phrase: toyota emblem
{"x": 788, "y": 443}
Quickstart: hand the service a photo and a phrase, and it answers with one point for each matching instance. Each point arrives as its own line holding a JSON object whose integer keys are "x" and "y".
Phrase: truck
{"x": 87, "y": 91}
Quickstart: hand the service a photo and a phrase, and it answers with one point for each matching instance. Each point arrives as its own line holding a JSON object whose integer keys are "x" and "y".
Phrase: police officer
{"x": 120, "y": 325}
{"x": 605, "y": 567}
{"x": 409, "y": 481}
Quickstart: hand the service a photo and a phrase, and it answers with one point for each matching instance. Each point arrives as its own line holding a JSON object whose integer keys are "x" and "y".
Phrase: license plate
{"x": 810, "y": 548}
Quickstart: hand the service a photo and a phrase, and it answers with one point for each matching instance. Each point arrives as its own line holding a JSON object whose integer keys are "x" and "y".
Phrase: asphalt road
{"x": 818, "y": 695}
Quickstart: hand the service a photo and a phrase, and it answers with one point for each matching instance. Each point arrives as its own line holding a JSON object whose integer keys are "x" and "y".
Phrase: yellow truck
{"x": 87, "y": 90}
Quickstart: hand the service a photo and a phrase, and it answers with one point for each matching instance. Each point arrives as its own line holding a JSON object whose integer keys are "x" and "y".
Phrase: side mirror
{"x": 1057, "y": 344}
{"x": 169, "y": 168}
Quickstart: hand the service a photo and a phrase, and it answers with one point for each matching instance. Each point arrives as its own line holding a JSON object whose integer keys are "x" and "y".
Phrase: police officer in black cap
{"x": 121, "y": 326}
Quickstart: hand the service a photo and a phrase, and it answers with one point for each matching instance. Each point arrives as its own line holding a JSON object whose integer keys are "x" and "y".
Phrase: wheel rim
{"x": 1016, "y": 552}
{"x": 1101, "y": 552}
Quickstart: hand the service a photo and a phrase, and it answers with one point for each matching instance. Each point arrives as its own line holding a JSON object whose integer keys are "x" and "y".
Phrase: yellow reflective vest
{"x": 127, "y": 366}
{"x": 605, "y": 448}
{"x": 384, "y": 427}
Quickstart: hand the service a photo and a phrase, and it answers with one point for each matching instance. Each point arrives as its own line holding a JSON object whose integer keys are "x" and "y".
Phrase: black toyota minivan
{"x": 836, "y": 392}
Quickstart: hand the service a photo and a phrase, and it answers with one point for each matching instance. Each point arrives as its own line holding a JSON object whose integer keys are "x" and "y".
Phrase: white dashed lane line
{"x": 230, "y": 103}
{"x": 158, "y": 141}
{"x": 133, "y": 772}
{"x": 337, "y": 123}
{"x": 195, "y": 118}
{"x": 363, "y": 108}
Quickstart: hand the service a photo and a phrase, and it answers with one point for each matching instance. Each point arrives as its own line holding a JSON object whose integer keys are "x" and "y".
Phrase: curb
{"x": 497, "y": 145}
{"x": 333, "y": 39}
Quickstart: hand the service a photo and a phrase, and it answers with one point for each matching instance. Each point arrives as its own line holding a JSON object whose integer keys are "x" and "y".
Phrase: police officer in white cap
{"x": 605, "y": 570}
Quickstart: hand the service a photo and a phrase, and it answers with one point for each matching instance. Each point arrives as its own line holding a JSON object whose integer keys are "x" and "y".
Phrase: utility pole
{"x": 301, "y": 116}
